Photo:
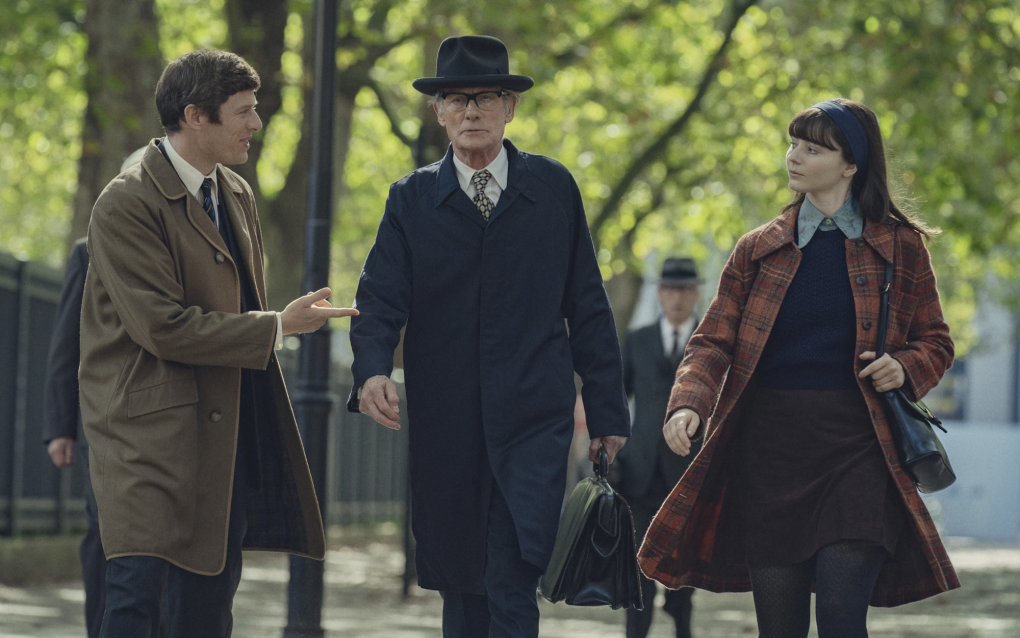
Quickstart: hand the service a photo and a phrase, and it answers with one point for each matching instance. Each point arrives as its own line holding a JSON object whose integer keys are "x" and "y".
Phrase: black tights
{"x": 844, "y": 574}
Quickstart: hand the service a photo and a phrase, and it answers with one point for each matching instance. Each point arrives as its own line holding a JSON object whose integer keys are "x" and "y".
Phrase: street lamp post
{"x": 312, "y": 401}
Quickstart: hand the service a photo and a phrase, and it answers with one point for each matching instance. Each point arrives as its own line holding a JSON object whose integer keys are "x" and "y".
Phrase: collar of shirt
{"x": 684, "y": 330}
{"x": 500, "y": 169}
{"x": 191, "y": 176}
{"x": 848, "y": 219}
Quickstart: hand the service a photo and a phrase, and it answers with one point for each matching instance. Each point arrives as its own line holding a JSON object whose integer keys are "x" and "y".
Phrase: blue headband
{"x": 852, "y": 131}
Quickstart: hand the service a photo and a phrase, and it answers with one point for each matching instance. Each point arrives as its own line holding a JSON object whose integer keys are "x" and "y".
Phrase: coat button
{"x": 860, "y": 243}
{"x": 215, "y": 415}
{"x": 219, "y": 257}
{"x": 862, "y": 280}
{"x": 866, "y": 325}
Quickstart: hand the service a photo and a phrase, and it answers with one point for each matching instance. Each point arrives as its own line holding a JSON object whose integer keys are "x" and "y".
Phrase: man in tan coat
{"x": 194, "y": 449}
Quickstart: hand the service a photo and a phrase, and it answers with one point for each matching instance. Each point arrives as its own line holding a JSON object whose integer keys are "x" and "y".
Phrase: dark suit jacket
{"x": 648, "y": 377}
{"x": 62, "y": 416}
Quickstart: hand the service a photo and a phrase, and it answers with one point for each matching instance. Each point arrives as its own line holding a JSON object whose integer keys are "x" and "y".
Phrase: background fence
{"x": 367, "y": 473}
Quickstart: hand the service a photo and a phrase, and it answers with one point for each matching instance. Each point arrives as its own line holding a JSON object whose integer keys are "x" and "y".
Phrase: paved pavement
{"x": 363, "y": 601}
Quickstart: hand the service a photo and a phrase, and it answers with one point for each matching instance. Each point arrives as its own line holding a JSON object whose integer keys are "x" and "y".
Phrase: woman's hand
{"x": 886, "y": 373}
{"x": 679, "y": 430}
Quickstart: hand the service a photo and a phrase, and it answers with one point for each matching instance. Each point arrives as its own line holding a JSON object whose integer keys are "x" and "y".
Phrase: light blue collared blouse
{"x": 848, "y": 219}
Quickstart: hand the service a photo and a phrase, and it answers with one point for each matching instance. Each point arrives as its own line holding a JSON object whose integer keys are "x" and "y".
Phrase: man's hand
{"x": 379, "y": 400}
{"x": 61, "y": 450}
{"x": 612, "y": 443}
{"x": 679, "y": 430}
{"x": 309, "y": 313}
{"x": 886, "y": 373}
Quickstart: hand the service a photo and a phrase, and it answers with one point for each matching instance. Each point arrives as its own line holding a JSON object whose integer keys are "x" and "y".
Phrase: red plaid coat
{"x": 685, "y": 545}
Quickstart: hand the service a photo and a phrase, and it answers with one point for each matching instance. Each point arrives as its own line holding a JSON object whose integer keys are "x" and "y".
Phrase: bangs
{"x": 815, "y": 126}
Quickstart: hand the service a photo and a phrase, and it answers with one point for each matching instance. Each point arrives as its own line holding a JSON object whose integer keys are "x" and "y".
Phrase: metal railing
{"x": 34, "y": 495}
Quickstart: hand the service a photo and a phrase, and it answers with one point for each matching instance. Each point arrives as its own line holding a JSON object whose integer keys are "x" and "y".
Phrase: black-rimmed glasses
{"x": 485, "y": 100}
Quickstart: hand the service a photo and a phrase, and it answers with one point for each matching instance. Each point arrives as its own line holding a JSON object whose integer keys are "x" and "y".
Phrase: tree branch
{"x": 570, "y": 54}
{"x": 390, "y": 114}
{"x": 658, "y": 196}
{"x": 658, "y": 147}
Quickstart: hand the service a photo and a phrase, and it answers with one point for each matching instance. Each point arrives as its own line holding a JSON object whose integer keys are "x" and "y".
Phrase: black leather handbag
{"x": 911, "y": 422}
{"x": 594, "y": 560}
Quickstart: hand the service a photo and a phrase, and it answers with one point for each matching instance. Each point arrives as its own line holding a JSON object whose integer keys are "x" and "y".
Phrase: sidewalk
{"x": 363, "y": 601}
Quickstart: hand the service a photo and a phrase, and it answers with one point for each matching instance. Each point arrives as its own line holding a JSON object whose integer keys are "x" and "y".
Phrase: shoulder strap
{"x": 883, "y": 312}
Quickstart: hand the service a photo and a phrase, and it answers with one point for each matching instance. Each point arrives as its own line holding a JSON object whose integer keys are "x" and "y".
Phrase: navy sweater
{"x": 814, "y": 338}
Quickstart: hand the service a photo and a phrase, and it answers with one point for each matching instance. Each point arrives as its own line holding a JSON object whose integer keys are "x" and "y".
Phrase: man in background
{"x": 62, "y": 424}
{"x": 648, "y": 470}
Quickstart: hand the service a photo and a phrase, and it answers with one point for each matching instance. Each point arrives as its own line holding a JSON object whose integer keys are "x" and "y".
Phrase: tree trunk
{"x": 257, "y": 35}
{"x": 124, "y": 64}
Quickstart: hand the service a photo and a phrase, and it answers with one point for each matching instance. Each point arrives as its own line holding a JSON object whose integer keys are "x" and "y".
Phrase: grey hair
{"x": 436, "y": 100}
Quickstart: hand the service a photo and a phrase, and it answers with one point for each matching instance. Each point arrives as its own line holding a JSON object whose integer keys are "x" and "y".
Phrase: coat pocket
{"x": 169, "y": 394}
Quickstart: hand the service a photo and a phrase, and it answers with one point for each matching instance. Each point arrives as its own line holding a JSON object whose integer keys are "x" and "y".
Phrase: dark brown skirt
{"x": 814, "y": 474}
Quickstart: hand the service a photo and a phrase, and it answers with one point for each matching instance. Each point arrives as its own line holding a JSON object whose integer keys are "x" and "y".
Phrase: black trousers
{"x": 678, "y": 601}
{"x": 509, "y": 607}
{"x": 196, "y": 606}
{"x": 93, "y": 560}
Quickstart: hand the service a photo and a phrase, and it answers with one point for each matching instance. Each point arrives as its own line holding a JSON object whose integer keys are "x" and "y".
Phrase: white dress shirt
{"x": 192, "y": 179}
{"x": 684, "y": 330}
{"x": 499, "y": 168}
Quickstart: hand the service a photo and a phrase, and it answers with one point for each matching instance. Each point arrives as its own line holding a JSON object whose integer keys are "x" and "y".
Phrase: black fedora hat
{"x": 679, "y": 271}
{"x": 473, "y": 60}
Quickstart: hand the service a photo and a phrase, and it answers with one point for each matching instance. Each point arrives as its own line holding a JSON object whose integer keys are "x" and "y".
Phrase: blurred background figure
{"x": 647, "y": 469}
{"x": 62, "y": 427}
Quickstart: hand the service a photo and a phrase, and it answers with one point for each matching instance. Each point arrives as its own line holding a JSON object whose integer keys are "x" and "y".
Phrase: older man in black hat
{"x": 487, "y": 259}
{"x": 647, "y": 469}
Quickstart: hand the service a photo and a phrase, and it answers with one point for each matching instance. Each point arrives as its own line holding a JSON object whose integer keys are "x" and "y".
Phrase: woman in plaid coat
{"x": 798, "y": 484}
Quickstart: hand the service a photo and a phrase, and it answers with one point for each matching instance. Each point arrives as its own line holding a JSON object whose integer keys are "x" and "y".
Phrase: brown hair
{"x": 205, "y": 78}
{"x": 870, "y": 187}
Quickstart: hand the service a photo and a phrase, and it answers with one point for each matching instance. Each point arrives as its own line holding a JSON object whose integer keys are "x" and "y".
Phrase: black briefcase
{"x": 594, "y": 561}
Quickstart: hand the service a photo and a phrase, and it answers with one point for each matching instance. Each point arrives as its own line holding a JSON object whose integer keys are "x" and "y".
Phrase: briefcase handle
{"x": 601, "y": 468}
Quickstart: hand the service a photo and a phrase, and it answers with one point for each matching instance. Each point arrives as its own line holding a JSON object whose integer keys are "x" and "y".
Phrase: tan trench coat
{"x": 689, "y": 542}
{"x": 162, "y": 348}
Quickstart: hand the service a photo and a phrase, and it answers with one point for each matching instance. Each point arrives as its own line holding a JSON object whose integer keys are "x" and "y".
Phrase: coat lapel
{"x": 517, "y": 183}
{"x": 230, "y": 189}
{"x": 880, "y": 238}
{"x": 777, "y": 233}
{"x": 448, "y": 190}
{"x": 170, "y": 186}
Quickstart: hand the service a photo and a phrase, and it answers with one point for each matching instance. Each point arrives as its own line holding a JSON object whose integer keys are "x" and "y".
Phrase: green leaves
{"x": 613, "y": 83}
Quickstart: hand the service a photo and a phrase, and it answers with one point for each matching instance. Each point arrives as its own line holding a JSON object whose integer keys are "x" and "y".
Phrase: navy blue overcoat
{"x": 499, "y": 316}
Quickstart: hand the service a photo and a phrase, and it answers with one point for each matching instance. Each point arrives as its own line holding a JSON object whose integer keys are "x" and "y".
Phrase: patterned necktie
{"x": 481, "y": 200}
{"x": 207, "y": 201}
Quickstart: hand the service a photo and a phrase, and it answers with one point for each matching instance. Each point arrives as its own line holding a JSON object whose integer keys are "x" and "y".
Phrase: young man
{"x": 193, "y": 446}
{"x": 487, "y": 259}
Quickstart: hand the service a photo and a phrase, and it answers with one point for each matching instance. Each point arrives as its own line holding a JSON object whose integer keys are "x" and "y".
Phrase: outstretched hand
{"x": 679, "y": 430}
{"x": 309, "y": 313}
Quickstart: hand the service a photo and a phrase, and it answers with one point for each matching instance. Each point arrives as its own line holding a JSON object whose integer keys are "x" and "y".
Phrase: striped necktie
{"x": 207, "y": 201}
